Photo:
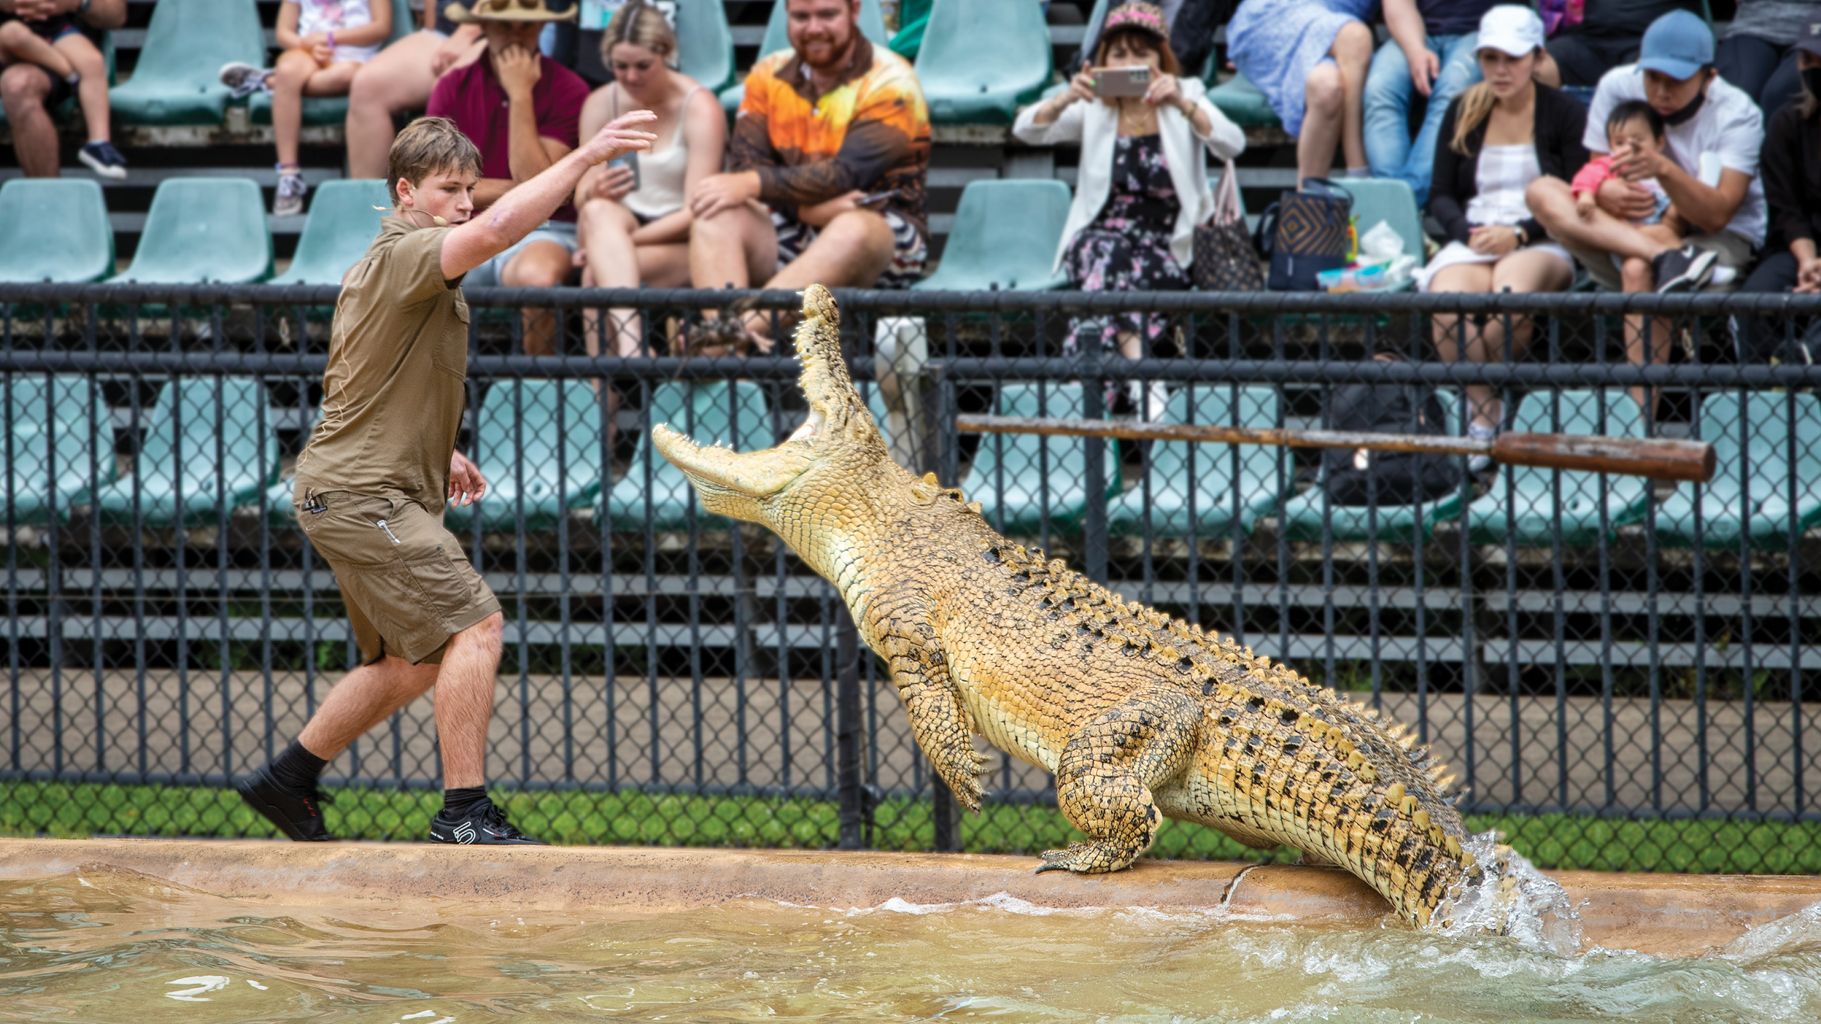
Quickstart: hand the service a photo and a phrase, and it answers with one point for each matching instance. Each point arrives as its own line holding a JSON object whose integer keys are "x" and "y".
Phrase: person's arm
{"x": 373, "y": 33}
{"x": 102, "y": 14}
{"x": 594, "y": 114}
{"x": 520, "y": 210}
{"x": 1222, "y": 137}
{"x": 878, "y": 139}
{"x": 285, "y": 32}
{"x": 1405, "y": 23}
{"x": 705, "y": 134}
{"x": 1057, "y": 119}
{"x": 528, "y": 152}
{"x": 1782, "y": 167}
{"x": 1444, "y": 181}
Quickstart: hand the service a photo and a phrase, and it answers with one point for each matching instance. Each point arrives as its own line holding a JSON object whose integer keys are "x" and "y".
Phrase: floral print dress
{"x": 1127, "y": 247}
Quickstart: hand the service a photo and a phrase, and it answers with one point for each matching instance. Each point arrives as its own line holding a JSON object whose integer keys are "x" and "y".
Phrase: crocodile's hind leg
{"x": 1106, "y": 773}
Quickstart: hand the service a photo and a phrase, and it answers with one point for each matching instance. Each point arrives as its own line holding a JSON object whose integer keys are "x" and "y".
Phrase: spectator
{"x": 1309, "y": 58}
{"x": 542, "y": 101}
{"x": 1605, "y": 35}
{"x": 58, "y": 45}
{"x": 833, "y": 135}
{"x": 634, "y": 227}
{"x": 29, "y": 92}
{"x": 1496, "y": 138}
{"x": 1758, "y": 51}
{"x": 1191, "y": 24}
{"x": 1631, "y": 127}
{"x": 399, "y": 79}
{"x": 1430, "y": 53}
{"x": 1709, "y": 169}
{"x": 1792, "y": 188}
{"x": 324, "y": 43}
{"x": 1143, "y": 182}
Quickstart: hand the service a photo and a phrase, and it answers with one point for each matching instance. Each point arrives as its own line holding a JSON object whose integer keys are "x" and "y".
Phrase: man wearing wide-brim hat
{"x": 522, "y": 110}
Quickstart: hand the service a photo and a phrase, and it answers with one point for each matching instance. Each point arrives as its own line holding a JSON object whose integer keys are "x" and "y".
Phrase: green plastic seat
{"x": 705, "y": 43}
{"x": 180, "y": 478}
{"x": 54, "y": 229}
{"x": 1021, "y": 480}
{"x": 777, "y": 37}
{"x": 1243, "y": 104}
{"x": 331, "y": 110}
{"x": 980, "y": 62}
{"x": 518, "y": 431}
{"x": 1303, "y": 515}
{"x": 204, "y": 230}
{"x": 1196, "y": 489}
{"x": 341, "y": 226}
{"x": 1387, "y": 200}
{"x": 1522, "y": 502}
{"x": 1005, "y": 237}
{"x": 731, "y": 413}
{"x": 61, "y": 441}
{"x": 1750, "y": 494}
{"x": 177, "y": 81}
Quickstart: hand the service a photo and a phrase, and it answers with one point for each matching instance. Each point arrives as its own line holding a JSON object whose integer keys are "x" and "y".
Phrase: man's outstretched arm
{"x": 520, "y": 211}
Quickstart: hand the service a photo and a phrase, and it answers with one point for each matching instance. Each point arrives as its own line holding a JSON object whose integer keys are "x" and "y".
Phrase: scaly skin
{"x": 1137, "y": 715}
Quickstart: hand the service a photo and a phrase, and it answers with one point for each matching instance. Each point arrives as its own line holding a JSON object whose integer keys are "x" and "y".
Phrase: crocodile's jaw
{"x": 793, "y": 488}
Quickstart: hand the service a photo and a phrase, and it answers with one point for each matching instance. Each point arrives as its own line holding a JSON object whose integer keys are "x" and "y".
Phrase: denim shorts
{"x": 488, "y": 274}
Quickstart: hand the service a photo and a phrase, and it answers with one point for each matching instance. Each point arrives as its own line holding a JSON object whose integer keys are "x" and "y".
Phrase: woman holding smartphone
{"x": 632, "y": 221}
{"x": 1143, "y": 182}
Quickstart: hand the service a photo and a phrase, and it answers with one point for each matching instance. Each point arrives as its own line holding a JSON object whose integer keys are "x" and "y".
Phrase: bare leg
{"x": 363, "y": 699}
{"x": 732, "y": 249}
{"x": 1553, "y": 204}
{"x": 91, "y": 86}
{"x": 606, "y": 233}
{"x": 542, "y": 264}
{"x": 1456, "y": 338}
{"x": 398, "y": 78}
{"x": 294, "y": 69}
{"x": 464, "y": 702}
{"x": 1323, "y": 117}
{"x": 19, "y": 42}
{"x": 1654, "y": 350}
{"x": 23, "y": 89}
{"x": 851, "y": 250}
{"x": 1353, "y": 53}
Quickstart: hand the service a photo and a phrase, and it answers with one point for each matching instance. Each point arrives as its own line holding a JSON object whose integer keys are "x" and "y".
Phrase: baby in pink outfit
{"x": 1633, "y": 127}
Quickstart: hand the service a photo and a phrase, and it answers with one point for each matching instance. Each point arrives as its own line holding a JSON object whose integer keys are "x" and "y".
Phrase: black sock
{"x": 297, "y": 768}
{"x": 458, "y": 802}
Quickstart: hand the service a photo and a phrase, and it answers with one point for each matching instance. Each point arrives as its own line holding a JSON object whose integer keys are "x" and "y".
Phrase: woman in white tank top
{"x": 633, "y": 224}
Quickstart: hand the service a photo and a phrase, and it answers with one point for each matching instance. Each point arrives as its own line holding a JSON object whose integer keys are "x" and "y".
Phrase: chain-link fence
{"x": 1615, "y": 667}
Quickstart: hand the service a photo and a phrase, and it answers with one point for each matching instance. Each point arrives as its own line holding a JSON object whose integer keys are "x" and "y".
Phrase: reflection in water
{"x": 115, "y": 946}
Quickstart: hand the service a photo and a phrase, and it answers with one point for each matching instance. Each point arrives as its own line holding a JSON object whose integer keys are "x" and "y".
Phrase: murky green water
{"x": 117, "y": 947}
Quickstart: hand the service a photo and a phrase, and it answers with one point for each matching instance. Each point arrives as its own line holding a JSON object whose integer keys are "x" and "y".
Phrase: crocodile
{"x": 1137, "y": 715}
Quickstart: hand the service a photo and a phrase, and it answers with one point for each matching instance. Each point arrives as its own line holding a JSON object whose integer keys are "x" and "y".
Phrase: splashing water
{"x": 1513, "y": 898}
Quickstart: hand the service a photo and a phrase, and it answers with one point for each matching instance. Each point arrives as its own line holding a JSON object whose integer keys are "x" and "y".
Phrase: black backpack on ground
{"x": 1362, "y": 476}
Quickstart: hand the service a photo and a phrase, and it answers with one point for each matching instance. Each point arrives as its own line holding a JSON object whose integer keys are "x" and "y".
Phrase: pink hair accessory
{"x": 1148, "y": 17}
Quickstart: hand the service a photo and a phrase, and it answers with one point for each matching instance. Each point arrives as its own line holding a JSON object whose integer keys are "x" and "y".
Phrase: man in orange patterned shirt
{"x": 829, "y": 158}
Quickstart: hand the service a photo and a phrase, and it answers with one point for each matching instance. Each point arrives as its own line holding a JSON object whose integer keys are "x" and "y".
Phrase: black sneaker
{"x": 297, "y": 815}
{"x": 483, "y": 825}
{"x": 103, "y": 159}
{"x": 1684, "y": 269}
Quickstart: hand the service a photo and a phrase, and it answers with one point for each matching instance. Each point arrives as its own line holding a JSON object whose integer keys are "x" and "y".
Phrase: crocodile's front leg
{"x": 1106, "y": 773}
{"x": 939, "y": 722}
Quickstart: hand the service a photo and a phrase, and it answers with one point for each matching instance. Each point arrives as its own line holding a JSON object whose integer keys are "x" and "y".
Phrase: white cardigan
{"x": 1095, "y": 125}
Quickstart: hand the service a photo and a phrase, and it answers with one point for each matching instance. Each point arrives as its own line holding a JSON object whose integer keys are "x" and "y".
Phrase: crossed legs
{"x": 1332, "y": 111}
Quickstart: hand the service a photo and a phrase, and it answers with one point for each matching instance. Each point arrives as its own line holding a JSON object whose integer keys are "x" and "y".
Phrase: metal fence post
{"x": 851, "y": 786}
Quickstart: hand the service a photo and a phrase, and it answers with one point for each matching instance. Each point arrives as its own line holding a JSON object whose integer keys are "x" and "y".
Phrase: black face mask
{"x": 1694, "y": 107}
{"x": 1811, "y": 80}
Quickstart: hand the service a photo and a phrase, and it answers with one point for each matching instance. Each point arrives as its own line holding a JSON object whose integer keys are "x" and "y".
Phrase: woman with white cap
{"x": 1497, "y": 137}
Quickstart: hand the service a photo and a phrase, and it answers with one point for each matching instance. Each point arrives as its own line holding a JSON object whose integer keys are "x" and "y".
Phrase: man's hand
{"x": 1492, "y": 239}
{"x": 619, "y": 136}
{"x": 38, "y": 10}
{"x": 1624, "y": 200}
{"x": 1424, "y": 66}
{"x": 1808, "y": 275}
{"x": 1638, "y": 164}
{"x": 719, "y": 192}
{"x": 466, "y": 484}
{"x": 519, "y": 69}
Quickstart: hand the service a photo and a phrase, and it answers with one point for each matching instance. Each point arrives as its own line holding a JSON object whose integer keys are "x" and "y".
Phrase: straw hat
{"x": 507, "y": 10}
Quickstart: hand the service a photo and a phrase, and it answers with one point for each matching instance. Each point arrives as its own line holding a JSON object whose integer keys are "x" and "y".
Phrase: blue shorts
{"x": 488, "y": 274}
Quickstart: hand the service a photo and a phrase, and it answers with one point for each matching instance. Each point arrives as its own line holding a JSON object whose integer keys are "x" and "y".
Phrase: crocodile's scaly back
{"x": 1138, "y": 715}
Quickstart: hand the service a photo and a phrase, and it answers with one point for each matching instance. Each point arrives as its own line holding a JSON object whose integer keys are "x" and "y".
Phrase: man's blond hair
{"x": 427, "y": 146}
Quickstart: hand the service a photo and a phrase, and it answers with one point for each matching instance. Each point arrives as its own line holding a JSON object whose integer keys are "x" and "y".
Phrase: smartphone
{"x": 877, "y": 198}
{"x": 628, "y": 160}
{"x": 1114, "y": 83}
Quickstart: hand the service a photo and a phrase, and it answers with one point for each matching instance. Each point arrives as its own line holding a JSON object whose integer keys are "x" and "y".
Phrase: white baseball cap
{"x": 1511, "y": 30}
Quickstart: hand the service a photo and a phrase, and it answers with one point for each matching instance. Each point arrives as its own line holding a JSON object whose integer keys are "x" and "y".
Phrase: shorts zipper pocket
{"x": 388, "y": 530}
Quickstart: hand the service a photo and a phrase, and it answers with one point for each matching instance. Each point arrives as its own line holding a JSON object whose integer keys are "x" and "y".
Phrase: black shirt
{"x": 1455, "y": 17}
{"x": 1791, "y": 166}
{"x": 1559, "y": 122}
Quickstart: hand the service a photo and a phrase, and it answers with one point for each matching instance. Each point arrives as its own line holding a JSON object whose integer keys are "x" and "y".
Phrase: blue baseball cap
{"x": 1678, "y": 44}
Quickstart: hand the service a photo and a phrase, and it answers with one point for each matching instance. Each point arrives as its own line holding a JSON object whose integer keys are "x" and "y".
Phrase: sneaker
{"x": 243, "y": 79}
{"x": 1683, "y": 270}
{"x": 1477, "y": 464}
{"x": 483, "y": 825}
{"x": 289, "y": 200}
{"x": 297, "y": 815}
{"x": 102, "y": 158}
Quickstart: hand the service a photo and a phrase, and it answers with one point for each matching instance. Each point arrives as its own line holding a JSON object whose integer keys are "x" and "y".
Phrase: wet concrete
{"x": 1666, "y": 914}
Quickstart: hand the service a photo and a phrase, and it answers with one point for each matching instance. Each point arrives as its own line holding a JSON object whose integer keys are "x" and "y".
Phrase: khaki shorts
{"x": 404, "y": 578}
{"x": 1733, "y": 249}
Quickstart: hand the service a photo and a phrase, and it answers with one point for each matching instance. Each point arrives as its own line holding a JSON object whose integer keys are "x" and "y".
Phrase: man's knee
{"x": 23, "y": 86}
{"x": 486, "y": 635}
{"x": 730, "y": 225}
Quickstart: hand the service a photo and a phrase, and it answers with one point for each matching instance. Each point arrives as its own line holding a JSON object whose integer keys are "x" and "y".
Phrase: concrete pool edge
{"x": 1673, "y": 915}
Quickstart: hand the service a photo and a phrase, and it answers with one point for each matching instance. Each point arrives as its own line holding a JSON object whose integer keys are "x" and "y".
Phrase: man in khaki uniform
{"x": 372, "y": 481}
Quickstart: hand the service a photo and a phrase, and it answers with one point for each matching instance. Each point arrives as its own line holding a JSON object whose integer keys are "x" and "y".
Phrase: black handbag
{"x": 1224, "y": 258}
{"x": 1304, "y": 233}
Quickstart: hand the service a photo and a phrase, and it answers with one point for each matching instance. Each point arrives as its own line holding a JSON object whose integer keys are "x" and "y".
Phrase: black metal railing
{"x": 1581, "y": 645}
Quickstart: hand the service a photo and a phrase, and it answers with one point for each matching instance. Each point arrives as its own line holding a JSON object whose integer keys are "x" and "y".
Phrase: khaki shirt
{"x": 393, "y": 391}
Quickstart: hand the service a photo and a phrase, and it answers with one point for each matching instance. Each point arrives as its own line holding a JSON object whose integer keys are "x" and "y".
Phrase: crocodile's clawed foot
{"x": 1084, "y": 858}
{"x": 963, "y": 780}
